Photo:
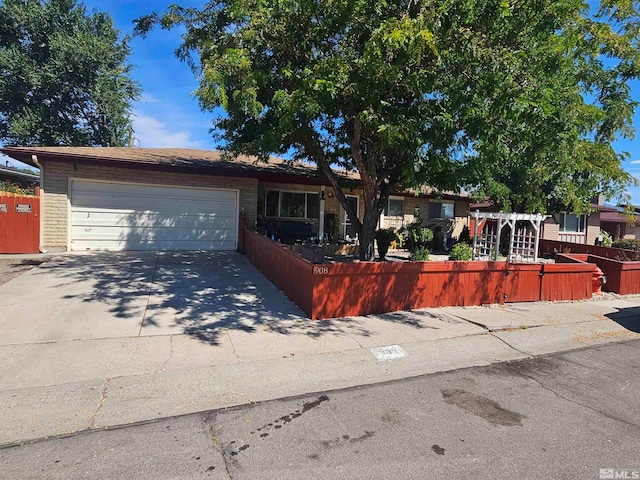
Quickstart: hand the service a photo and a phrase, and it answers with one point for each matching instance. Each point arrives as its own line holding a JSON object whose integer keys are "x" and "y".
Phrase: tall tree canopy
{"x": 64, "y": 76}
{"x": 517, "y": 100}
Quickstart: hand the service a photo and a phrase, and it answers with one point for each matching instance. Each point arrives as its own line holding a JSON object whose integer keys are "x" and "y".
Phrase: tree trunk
{"x": 368, "y": 230}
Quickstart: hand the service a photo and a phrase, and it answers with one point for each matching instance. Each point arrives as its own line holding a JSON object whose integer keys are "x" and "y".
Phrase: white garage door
{"x": 116, "y": 216}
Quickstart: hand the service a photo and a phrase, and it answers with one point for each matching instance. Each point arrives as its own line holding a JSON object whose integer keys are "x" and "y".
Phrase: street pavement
{"x": 561, "y": 416}
{"x": 97, "y": 341}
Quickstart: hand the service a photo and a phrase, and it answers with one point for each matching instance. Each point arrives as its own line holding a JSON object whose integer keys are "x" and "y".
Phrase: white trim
{"x": 563, "y": 222}
{"x": 394, "y": 197}
{"x": 343, "y": 220}
{"x": 280, "y": 199}
{"x": 161, "y": 185}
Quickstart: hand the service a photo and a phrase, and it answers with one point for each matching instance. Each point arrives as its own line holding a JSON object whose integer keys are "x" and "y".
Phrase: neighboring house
{"x": 17, "y": 177}
{"x": 583, "y": 228}
{"x": 97, "y": 198}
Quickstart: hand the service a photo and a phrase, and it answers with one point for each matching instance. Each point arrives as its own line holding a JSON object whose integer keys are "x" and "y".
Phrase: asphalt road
{"x": 554, "y": 417}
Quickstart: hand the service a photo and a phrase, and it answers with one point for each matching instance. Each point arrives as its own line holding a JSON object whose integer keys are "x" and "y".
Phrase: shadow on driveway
{"x": 200, "y": 294}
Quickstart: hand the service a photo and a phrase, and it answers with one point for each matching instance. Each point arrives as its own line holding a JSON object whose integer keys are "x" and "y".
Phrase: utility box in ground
{"x": 313, "y": 253}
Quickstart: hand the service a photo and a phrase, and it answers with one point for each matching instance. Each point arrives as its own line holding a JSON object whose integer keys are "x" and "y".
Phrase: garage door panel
{"x": 108, "y": 216}
{"x": 116, "y": 245}
{"x": 104, "y": 218}
{"x": 150, "y": 234}
{"x": 162, "y": 203}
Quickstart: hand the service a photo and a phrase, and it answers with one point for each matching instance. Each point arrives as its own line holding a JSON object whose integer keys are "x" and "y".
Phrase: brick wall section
{"x": 55, "y": 191}
{"x": 593, "y": 228}
{"x": 460, "y": 211}
{"x": 551, "y": 229}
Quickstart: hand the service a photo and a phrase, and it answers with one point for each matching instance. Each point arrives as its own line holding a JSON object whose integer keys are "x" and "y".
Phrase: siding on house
{"x": 460, "y": 212}
{"x": 55, "y": 192}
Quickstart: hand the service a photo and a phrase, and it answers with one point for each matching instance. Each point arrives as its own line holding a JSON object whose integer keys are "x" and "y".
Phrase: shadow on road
{"x": 628, "y": 318}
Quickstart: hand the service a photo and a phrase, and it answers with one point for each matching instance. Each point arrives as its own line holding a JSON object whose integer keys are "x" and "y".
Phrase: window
{"x": 292, "y": 204}
{"x": 439, "y": 210}
{"x": 395, "y": 207}
{"x": 570, "y": 222}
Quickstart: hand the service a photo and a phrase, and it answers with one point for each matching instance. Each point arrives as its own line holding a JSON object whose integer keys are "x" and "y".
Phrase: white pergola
{"x": 523, "y": 242}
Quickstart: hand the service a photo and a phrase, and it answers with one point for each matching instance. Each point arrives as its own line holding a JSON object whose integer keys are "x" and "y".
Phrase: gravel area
{"x": 11, "y": 268}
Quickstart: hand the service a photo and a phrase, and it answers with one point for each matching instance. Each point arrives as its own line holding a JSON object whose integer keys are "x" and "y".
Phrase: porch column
{"x": 321, "y": 224}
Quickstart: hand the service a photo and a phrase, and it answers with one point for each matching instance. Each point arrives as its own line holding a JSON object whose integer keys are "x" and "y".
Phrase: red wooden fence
{"x": 19, "y": 223}
{"x": 349, "y": 289}
{"x": 622, "y": 277}
{"x": 552, "y": 247}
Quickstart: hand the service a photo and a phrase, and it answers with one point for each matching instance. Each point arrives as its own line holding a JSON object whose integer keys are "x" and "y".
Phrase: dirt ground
{"x": 11, "y": 268}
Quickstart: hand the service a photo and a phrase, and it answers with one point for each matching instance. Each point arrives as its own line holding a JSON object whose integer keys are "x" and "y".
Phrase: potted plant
{"x": 384, "y": 237}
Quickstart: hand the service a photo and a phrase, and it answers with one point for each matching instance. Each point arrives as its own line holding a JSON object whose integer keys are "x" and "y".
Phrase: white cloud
{"x": 152, "y": 133}
{"x": 635, "y": 162}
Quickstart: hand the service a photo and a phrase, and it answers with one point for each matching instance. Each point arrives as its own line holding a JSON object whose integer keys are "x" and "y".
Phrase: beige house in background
{"x": 108, "y": 198}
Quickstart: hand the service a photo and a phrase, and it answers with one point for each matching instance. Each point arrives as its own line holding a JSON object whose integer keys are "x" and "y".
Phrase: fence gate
{"x": 19, "y": 223}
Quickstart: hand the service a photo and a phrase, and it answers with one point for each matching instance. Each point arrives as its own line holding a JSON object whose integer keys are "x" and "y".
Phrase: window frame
{"x": 385, "y": 212}
{"x": 279, "y": 206}
{"x": 442, "y": 203}
{"x": 581, "y": 221}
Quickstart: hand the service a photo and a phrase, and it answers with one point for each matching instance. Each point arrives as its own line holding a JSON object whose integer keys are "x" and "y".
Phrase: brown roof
{"x": 176, "y": 159}
{"x": 196, "y": 161}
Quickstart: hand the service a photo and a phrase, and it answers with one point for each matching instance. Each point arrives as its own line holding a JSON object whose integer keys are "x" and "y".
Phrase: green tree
{"x": 488, "y": 94}
{"x": 64, "y": 76}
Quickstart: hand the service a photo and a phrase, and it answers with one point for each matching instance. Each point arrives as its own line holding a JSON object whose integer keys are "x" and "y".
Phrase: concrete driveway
{"x": 114, "y": 295}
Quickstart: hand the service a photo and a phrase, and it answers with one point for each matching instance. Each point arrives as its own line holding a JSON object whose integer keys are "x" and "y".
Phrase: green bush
{"x": 421, "y": 254}
{"x": 607, "y": 241}
{"x": 465, "y": 235}
{"x": 384, "y": 237}
{"x": 7, "y": 186}
{"x": 627, "y": 244}
{"x": 418, "y": 237}
{"x": 461, "y": 251}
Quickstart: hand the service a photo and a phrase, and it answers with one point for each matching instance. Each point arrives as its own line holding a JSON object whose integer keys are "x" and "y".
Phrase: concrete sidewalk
{"x": 154, "y": 355}
{"x": 61, "y": 387}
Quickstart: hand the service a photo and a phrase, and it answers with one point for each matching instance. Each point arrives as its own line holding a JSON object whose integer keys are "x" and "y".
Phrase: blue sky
{"x": 169, "y": 116}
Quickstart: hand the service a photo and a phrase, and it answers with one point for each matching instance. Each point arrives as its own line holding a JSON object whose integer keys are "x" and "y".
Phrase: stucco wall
{"x": 55, "y": 192}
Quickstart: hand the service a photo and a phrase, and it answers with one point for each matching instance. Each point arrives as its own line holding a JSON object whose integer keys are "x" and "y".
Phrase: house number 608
{"x": 320, "y": 270}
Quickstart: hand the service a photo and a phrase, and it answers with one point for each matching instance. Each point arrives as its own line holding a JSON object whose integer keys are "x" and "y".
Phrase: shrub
{"x": 607, "y": 241}
{"x": 7, "y": 186}
{"x": 461, "y": 251}
{"x": 627, "y": 244}
{"x": 418, "y": 237}
{"x": 421, "y": 254}
{"x": 465, "y": 235}
{"x": 384, "y": 237}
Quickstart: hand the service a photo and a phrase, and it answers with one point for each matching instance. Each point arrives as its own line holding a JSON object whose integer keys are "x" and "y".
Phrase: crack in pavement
{"x": 233, "y": 346}
{"x": 146, "y": 307}
{"x": 218, "y": 445}
{"x": 103, "y": 397}
{"x": 170, "y": 354}
{"x": 575, "y": 402}
{"x": 511, "y": 346}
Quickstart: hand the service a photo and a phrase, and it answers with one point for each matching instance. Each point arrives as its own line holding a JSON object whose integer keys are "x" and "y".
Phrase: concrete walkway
{"x": 95, "y": 341}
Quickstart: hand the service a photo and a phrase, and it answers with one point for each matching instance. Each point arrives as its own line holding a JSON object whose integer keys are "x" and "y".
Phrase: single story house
{"x": 112, "y": 198}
